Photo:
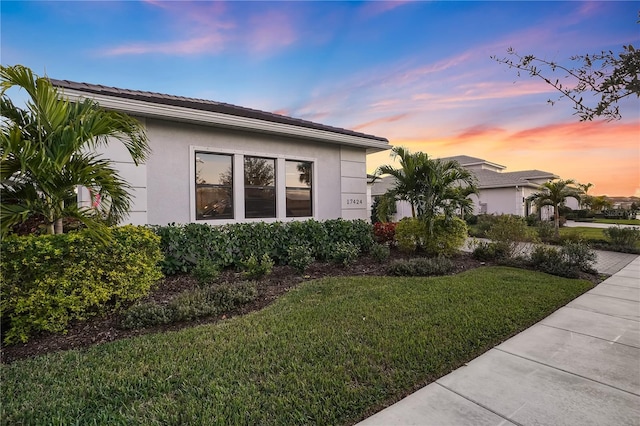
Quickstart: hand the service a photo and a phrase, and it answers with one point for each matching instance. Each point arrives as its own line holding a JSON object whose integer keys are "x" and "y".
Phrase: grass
{"x": 587, "y": 233}
{"x": 329, "y": 352}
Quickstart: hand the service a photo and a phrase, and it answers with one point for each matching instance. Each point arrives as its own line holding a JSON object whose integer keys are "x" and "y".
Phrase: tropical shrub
{"x": 447, "y": 236}
{"x": 486, "y": 250}
{"x": 421, "y": 267}
{"x": 566, "y": 261}
{"x": 50, "y": 280}
{"x": 344, "y": 253}
{"x": 299, "y": 257}
{"x": 623, "y": 237}
{"x": 190, "y": 305}
{"x": 507, "y": 233}
{"x": 380, "y": 252}
{"x": 384, "y": 232}
{"x": 545, "y": 231}
{"x": 256, "y": 269}
{"x": 205, "y": 271}
{"x": 410, "y": 234}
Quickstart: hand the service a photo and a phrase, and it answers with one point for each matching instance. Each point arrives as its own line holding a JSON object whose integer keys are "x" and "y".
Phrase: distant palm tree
{"x": 47, "y": 151}
{"x": 554, "y": 194}
{"x": 584, "y": 199}
{"x": 431, "y": 186}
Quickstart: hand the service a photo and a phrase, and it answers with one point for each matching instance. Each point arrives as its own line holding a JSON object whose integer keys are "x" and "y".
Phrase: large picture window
{"x": 298, "y": 188}
{"x": 214, "y": 186}
{"x": 259, "y": 187}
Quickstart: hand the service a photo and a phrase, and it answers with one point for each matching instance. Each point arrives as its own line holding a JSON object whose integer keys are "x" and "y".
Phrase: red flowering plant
{"x": 384, "y": 232}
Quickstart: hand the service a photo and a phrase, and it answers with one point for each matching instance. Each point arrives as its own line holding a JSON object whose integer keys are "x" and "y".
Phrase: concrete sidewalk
{"x": 579, "y": 366}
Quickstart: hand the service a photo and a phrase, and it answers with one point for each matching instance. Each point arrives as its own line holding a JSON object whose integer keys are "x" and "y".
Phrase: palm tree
{"x": 47, "y": 150}
{"x": 432, "y": 186}
{"x": 407, "y": 186}
{"x": 584, "y": 199}
{"x": 554, "y": 194}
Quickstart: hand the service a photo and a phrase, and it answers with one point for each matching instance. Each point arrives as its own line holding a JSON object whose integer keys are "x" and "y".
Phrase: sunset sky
{"x": 417, "y": 73}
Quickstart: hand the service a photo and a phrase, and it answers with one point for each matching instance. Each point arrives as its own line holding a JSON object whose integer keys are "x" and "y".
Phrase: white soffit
{"x": 175, "y": 113}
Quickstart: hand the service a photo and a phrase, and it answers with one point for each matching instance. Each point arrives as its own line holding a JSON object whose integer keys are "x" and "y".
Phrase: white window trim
{"x": 238, "y": 190}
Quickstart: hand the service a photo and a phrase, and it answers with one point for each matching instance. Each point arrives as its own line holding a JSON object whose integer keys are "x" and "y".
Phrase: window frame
{"x": 238, "y": 185}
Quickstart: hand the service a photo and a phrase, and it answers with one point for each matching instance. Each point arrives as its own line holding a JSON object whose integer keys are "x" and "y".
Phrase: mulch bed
{"x": 94, "y": 331}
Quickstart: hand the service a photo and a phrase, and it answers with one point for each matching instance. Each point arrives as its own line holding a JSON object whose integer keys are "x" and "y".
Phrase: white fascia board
{"x": 175, "y": 113}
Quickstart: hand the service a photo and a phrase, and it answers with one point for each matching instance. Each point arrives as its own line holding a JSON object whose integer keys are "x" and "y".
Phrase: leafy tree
{"x": 47, "y": 150}
{"x": 606, "y": 77}
{"x": 432, "y": 186}
{"x": 554, "y": 194}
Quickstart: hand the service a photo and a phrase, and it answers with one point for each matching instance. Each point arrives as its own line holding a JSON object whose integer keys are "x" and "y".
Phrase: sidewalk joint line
{"x": 479, "y": 404}
{"x": 610, "y": 297}
{"x": 599, "y": 313}
{"x": 568, "y": 372}
{"x": 589, "y": 335}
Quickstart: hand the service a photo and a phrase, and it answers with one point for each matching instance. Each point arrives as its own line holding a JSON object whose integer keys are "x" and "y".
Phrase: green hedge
{"x": 229, "y": 245}
{"x": 50, "y": 280}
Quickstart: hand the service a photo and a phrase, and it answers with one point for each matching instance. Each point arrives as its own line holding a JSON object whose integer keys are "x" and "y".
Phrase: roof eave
{"x": 216, "y": 119}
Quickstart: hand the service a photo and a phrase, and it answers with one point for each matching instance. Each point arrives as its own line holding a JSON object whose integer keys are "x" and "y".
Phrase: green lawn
{"x": 585, "y": 232}
{"x": 330, "y": 352}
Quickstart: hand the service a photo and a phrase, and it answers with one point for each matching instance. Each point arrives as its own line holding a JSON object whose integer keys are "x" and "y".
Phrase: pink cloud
{"x": 206, "y": 44}
{"x": 374, "y": 8}
{"x": 390, "y": 119}
{"x": 205, "y": 28}
{"x": 270, "y": 31}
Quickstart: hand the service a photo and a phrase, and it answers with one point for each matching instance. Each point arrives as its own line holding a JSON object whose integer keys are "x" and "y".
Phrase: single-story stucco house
{"x": 499, "y": 192}
{"x": 218, "y": 163}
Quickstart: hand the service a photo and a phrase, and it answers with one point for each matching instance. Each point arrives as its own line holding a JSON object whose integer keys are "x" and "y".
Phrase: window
{"x": 259, "y": 187}
{"x": 229, "y": 186}
{"x": 298, "y": 184}
{"x": 214, "y": 186}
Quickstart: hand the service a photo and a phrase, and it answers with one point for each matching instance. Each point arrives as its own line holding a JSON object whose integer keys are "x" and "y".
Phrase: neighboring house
{"x": 499, "y": 192}
{"x": 217, "y": 163}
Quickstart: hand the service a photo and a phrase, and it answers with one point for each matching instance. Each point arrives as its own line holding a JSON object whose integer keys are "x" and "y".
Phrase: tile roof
{"x": 205, "y": 105}
{"x": 486, "y": 179}
{"x": 491, "y": 179}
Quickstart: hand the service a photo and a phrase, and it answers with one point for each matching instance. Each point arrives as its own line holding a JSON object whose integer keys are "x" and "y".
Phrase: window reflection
{"x": 214, "y": 186}
{"x": 259, "y": 187}
{"x": 298, "y": 188}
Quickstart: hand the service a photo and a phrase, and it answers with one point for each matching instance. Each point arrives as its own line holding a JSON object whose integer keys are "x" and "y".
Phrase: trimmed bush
{"x": 421, "y": 267}
{"x": 299, "y": 257}
{"x": 410, "y": 234}
{"x": 50, "y": 280}
{"x": 344, "y": 253}
{"x": 447, "y": 237}
{"x": 190, "y": 305}
{"x": 444, "y": 239}
{"x": 226, "y": 245}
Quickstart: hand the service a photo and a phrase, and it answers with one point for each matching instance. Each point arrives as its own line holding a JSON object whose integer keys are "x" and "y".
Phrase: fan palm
{"x": 554, "y": 194}
{"x": 47, "y": 150}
